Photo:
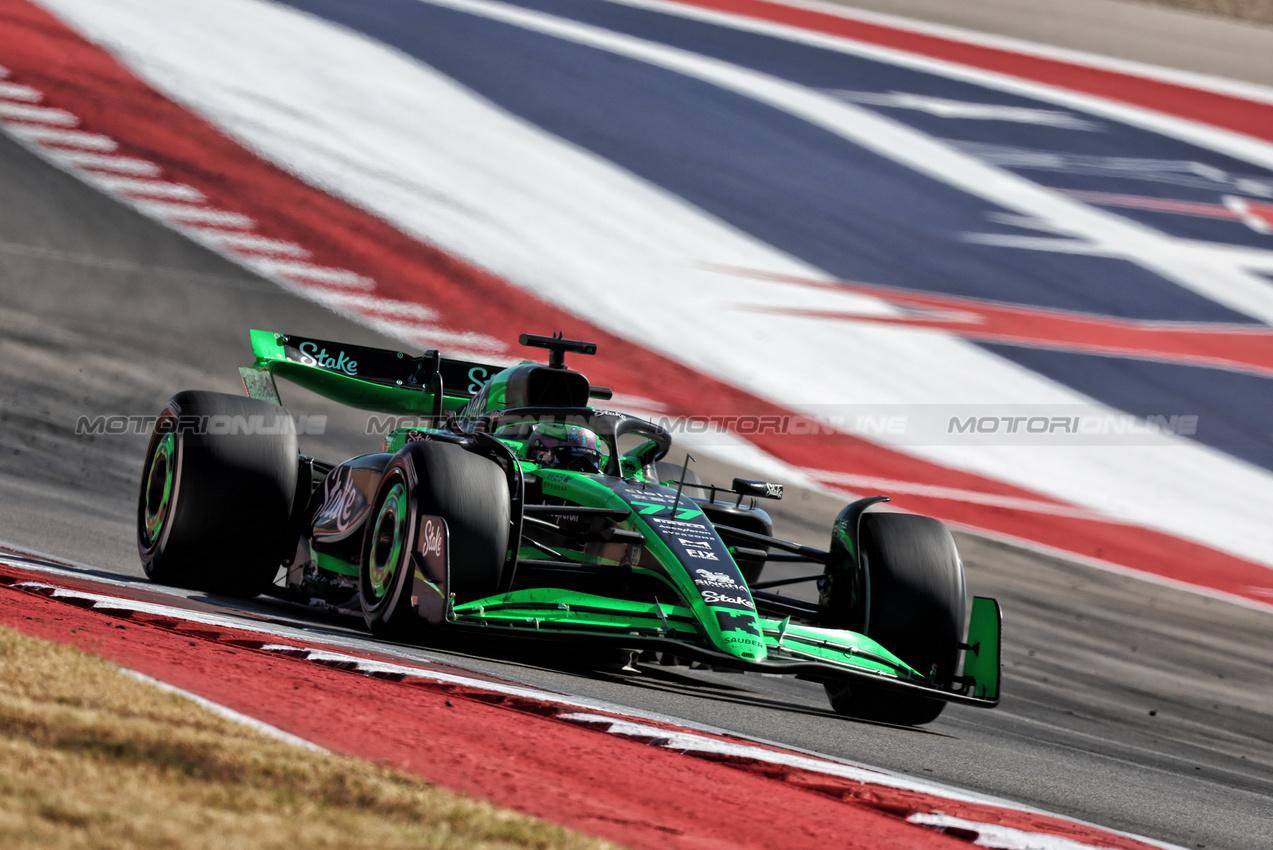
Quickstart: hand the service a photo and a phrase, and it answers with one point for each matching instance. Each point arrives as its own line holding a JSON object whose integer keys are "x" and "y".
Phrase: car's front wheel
{"x": 914, "y": 607}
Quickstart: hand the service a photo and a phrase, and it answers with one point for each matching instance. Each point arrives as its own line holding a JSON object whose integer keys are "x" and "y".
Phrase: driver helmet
{"x": 557, "y": 446}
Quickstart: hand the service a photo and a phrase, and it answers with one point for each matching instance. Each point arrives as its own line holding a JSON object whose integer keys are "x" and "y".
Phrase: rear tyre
{"x": 216, "y": 494}
{"x": 915, "y": 597}
{"x": 439, "y": 479}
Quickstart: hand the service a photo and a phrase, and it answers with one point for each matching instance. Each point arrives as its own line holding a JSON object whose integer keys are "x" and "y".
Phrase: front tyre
{"x": 216, "y": 493}
{"x": 914, "y": 607}
{"x": 439, "y": 479}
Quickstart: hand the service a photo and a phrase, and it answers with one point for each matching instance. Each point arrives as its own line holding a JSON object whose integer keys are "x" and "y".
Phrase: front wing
{"x": 793, "y": 648}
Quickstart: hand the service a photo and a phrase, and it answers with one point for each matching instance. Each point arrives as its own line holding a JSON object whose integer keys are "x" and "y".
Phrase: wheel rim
{"x": 161, "y": 474}
{"x": 388, "y": 542}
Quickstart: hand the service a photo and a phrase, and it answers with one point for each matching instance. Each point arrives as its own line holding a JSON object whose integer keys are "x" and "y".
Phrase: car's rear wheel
{"x": 914, "y": 607}
{"x": 439, "y": 479}
{"x": 216, "y": 493}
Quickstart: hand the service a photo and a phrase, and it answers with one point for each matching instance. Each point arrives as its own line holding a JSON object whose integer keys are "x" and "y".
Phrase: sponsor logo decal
{"x": 672, "y": 526}
{"x": 707, "y": 578}
{"x": 478, "y": 376}
{"x": 650, "y": 509}
{"x": 340, "y": 500}
{"x": 312, "y": 355}
{"x": 431, "y": 537}
{"x": 711, "y": 597}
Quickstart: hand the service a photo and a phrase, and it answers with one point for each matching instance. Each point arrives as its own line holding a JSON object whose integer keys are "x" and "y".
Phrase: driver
{"x": 557, "y": 446}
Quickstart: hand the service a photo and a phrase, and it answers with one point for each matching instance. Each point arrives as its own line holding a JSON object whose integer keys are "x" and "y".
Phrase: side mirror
{"x": 762, "y": 489}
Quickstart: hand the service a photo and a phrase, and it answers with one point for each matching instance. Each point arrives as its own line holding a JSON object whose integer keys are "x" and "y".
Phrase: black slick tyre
{"x": 439, "y": 479}
{"x": 216, "y": 495}
{"x": 915, "y": 598}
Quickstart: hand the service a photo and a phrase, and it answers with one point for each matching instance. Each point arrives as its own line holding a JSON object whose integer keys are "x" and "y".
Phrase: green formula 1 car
{"x": 508, "y": 504}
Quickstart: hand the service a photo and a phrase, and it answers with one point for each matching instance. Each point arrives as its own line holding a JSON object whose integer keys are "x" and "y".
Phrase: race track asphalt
{"x": 1131, "y": 705}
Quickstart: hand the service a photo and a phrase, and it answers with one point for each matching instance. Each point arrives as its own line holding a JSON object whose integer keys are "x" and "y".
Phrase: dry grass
{"x": 1252, "y": 11}
{"x": 92, "y": 758}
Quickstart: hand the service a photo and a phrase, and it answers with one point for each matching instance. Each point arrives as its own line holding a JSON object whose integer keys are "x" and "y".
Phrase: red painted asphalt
{"x": 1240, "y": 347}
{"x": 512, "y": 751}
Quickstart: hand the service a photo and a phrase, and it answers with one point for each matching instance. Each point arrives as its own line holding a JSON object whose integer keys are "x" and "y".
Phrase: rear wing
{"x": 366, "y": 378}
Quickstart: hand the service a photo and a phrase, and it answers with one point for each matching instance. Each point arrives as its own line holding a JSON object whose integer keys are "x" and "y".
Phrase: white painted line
{"x": 863, "y": 483}
{"x": 145, "y": 188}
{"x": 13, "y": 91}
{"x": 966, "y": 110}
{"x": 682, "y": 742}
{"x": 66, "y": 138}
{"x": 159, "y": 610}
{"x": 307, "y": 272}
{"x": 194, "y": 215}
{"x": 687, "y": 742}
{"x": 1002, "y": 837}
{"x": 103, "y": 162}
{"x": 1244, "y": 210}
{"x": 369, "y": 668}
{"x": 285, "y": 649}
{"x": 37, "y": 114}
{"x": 1189, "y": 79}
{"x": 378, "y": 307}
{"x": 447, "y": 340}
{"x": 247, "y": 242}
{"x": 227, "y": 713}
{"x": 694, "y": 743}
{"x": 462, "y": 345}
